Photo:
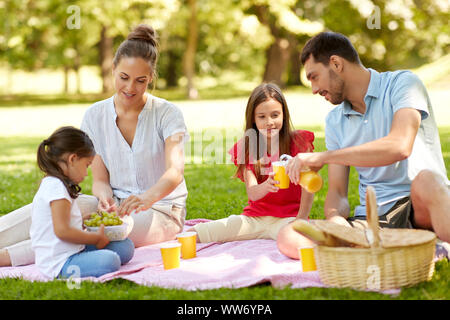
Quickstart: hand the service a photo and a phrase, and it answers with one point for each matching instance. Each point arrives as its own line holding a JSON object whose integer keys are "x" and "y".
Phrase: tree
{"x": 287, "y": 28}
{"x": 191, "y": 49}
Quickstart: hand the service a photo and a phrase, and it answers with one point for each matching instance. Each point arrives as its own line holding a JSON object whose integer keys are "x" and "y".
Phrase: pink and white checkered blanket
{"x": 217, "y": 265}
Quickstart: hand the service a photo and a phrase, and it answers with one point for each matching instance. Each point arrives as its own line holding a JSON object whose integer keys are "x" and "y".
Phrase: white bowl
{"x": 114, "y": 233}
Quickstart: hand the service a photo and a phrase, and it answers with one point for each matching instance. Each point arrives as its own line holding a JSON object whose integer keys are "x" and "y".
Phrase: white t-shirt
{"x": 135, "y": 169}
{"x": 51, "y": 252}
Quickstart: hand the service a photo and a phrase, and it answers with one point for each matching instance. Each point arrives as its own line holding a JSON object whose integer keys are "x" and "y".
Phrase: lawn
{"x": 213, "y": 194}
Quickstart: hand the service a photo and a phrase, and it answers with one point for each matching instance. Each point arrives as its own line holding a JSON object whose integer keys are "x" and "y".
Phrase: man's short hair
{"x": 325, "y": 44}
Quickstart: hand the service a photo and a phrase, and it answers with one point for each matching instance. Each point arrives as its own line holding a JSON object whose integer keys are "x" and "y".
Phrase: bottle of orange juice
{"x": 310, "y": 180}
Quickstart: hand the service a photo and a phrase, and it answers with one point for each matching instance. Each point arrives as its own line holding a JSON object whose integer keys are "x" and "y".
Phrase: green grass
{"x": 213, "y": 194}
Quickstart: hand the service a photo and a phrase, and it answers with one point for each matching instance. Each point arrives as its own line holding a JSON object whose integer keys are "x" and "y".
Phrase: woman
{"x": 139, "y": 166}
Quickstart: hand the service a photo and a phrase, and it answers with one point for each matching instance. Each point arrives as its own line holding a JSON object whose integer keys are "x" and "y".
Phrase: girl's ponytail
{"x": 63, "y": 141}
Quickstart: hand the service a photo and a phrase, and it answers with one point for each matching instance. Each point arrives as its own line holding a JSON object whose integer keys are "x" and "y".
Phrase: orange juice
{"x": 280, "y": 175}
{"x": 311, "y": 181}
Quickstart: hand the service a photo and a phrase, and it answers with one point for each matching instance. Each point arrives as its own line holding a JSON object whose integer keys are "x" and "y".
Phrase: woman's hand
{"x": 102, "y": 238}
{"x": 134, "y": 202}
{"x": 107, "y": 204}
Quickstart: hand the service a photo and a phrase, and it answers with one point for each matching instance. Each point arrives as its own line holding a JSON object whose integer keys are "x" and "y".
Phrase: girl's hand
{"x": 269, "y": 184}
{"x": 102, "y": 238}
{"x": 134, "y": 202}
{"x": 107, "y": 204}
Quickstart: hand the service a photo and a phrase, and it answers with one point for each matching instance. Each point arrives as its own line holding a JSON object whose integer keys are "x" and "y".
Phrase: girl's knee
{"x": 110, "y": 261}
{"x": 106, "y": 261}
{"x": 125, "y": 250}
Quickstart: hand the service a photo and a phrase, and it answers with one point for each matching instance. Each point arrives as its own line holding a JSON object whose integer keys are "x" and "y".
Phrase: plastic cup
{"x": 188, "y": 242}
{"x": 170, "y": 253}
{"x": 280, "y": 175}
{"x": 307, "y": 258}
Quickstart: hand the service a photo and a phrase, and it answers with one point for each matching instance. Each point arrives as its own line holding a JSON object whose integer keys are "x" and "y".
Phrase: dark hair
{"x": 260, "y": 94}
{"x": 325, "y": 44}
{"x": 51, "y": 151}
{"x": 142, "y": 42}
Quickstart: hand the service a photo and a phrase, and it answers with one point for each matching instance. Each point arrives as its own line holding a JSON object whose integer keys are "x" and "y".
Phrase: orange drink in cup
{"x": 307, "y": 258}
{"x": 311, "y": 181}
{"x": 170, "y": 253}
{"x": 280, "y": 175}
{"x": 188, "y": 242}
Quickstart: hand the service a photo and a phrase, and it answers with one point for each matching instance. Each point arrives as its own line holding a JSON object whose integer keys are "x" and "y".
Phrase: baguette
{"x": 315, "y": 234}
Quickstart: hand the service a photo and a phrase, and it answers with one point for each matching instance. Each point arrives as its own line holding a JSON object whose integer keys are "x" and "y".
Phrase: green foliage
{"x": 34, "y": 34}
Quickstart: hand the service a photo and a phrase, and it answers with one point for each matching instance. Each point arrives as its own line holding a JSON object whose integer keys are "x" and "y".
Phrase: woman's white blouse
{"x": 133, "y": 170}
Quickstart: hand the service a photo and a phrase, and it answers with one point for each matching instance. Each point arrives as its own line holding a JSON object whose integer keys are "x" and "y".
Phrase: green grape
{"x": 105, "y": 218}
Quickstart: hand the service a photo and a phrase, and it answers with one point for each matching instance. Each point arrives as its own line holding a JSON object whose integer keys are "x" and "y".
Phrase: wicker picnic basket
{"x": 394, "y": 258}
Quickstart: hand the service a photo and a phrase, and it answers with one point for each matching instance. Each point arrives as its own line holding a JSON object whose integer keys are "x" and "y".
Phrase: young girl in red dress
{"x": 269, "y": 134}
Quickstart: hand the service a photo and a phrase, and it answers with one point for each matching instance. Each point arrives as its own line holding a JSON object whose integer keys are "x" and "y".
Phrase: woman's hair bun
{"x": 144, "y": 32}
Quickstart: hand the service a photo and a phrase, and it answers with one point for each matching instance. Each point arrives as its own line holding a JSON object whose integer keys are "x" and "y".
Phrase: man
{"x": 383, "y": 126}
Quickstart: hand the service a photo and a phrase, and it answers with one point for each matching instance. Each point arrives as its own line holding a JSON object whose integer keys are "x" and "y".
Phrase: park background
{"x": 55, "y": 61}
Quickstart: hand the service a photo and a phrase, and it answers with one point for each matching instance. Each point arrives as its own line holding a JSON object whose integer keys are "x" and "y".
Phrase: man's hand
{"x": 303, "y": 162}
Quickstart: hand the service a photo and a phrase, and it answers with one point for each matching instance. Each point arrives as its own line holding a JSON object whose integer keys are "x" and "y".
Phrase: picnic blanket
{"x": 217, "y": 265}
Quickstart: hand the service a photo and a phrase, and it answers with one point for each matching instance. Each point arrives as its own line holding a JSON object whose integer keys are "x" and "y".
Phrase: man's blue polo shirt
{"x": 387, "y": 93}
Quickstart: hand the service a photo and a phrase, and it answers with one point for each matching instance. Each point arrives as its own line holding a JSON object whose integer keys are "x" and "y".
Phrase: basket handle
{"x": 372, "y": 216}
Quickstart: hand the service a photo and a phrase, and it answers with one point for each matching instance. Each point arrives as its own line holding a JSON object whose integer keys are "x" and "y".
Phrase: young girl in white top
{"x": 60, "y": 244}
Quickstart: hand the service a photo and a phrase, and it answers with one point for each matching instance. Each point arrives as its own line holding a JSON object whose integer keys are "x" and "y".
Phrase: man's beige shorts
{"x": 241, "y": 227}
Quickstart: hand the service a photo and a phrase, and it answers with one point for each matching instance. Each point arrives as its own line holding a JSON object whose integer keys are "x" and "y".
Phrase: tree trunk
{"x": 76, "y": 67}
{"x": 278, "y": 55}
{"x": 66, "y": 79}
{"x": 171, "y": 73}
{"x": 295, "y": 64}
{"x": 189, "y": 55}
{"x": 106, "y": 60}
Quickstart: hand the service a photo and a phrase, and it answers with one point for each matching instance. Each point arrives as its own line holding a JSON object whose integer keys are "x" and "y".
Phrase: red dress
{"x": 286, "y": 202}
